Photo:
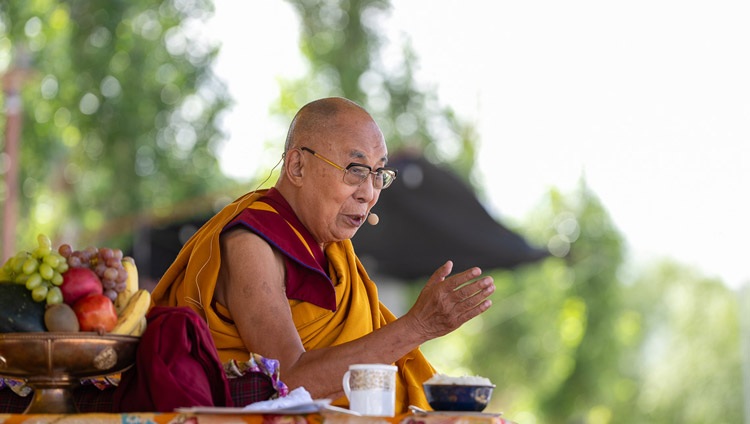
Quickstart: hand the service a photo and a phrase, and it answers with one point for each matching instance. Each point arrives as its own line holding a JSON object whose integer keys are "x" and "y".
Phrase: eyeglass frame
{"x": 382, "y": 170}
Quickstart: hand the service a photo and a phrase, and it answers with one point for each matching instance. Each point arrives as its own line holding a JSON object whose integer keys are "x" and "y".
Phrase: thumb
{"x": 441, "y": 273}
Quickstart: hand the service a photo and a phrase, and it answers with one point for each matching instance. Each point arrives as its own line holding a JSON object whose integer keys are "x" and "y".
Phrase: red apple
{"x": 79, "y": 282}
{"x": 95, "y": 312}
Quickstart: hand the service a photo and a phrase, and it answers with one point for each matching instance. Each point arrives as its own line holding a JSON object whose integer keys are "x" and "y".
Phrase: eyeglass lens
{"x": 356, "y": 174}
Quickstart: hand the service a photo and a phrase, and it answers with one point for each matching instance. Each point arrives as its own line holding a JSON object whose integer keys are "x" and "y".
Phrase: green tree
{"x": 551, "y": 341}
{"x": 342, "y": 41}
{"x": 578, "y": 339}
{"x": 119, "y": 114}
{"x": 689, "y": 364}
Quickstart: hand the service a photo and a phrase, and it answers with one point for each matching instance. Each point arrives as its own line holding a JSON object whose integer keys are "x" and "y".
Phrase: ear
{"x": 293, "y": 167}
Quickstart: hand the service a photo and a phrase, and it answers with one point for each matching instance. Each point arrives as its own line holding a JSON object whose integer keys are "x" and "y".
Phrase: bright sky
{"x": 649, "y": 100}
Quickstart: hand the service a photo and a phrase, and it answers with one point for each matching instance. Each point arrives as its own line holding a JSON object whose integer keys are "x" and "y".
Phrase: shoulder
{"x": 240, "y": 236}
{"x": 247, "y": 260}
{"x": 240, "y": 245}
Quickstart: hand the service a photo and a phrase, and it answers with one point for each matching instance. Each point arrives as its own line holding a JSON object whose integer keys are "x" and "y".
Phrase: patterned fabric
{"x": 249, "y": 388}
{"x": 258, "y": 364}
{"x": 18, "y": 386}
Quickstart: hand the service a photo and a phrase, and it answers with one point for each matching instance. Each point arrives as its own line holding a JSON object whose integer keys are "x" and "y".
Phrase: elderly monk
{"x": 275, "y": 274}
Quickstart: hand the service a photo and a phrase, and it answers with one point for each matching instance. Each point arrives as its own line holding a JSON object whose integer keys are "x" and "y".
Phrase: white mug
{"x": 371, "y": 389}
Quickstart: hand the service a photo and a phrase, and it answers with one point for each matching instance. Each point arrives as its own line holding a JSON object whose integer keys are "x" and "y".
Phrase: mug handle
{"x": 345, "y": 384}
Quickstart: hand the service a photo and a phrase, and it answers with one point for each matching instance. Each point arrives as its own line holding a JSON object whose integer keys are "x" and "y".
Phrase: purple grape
{"x": 111, "y": 294}
{"x": 108, "y": 284}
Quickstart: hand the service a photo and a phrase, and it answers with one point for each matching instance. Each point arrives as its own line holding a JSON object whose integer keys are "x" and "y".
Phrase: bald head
{"x": 325, "y": 137}
{"x": 320, "y": 119}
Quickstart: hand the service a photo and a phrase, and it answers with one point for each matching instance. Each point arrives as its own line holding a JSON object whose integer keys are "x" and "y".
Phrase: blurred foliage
{"x": 570, "y": 340}
{"x": 548, "y": 342}
{"x": 689, "y": 363}
{"x": 343, "y": 40}
{"x": 119, "y": 114}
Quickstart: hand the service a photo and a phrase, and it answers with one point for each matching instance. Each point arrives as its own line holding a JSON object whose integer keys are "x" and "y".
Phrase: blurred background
{"x": 592, "y": 156}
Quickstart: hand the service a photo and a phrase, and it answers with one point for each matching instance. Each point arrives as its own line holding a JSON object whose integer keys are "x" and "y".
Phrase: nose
{"x": 366, "y": 191}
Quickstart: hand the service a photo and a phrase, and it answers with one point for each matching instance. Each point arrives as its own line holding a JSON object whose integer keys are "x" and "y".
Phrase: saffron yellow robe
{"x": 191, "y": 281}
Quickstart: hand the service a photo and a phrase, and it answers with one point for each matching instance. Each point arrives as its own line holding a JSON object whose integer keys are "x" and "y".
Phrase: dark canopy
{"x": 429, "y": 216}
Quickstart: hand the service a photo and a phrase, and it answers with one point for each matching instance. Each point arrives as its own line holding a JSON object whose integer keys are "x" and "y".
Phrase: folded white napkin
{"x": 296, "y": 398}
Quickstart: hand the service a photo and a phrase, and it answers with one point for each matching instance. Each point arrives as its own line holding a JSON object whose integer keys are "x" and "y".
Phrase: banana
{"x": 141, "y": 328}
{"x": 130, "y": 318}
{"x": 131, "y": 285}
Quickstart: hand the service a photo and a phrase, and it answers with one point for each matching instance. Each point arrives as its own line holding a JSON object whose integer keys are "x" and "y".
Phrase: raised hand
{"x": 448, "y": 301}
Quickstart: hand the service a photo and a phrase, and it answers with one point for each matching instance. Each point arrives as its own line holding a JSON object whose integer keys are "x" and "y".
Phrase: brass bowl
{"x": 54, "y": 363}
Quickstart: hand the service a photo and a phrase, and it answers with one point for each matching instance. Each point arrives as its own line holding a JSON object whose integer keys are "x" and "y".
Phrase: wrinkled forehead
{"x": 355, "y": 137}
{"x": 356, "y": 154}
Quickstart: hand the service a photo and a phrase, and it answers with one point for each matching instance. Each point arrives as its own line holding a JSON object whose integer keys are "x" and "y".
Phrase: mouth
{"x": 356, "y": 220}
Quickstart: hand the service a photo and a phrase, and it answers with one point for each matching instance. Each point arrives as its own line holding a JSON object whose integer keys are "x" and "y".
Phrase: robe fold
{"x": 331, "y": 297}
{"x": 176, "y": 366}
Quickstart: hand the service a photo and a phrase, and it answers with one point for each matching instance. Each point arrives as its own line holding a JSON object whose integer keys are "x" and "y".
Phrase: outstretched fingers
{"x": 473, "y": 298}
{"x": 459, "y": 280}
{"x": 448, "y": 301}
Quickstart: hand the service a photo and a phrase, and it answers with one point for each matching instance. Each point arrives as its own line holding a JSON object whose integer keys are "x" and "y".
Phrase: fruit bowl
{"x": 458, "y": 397}
{"x": 54, "y": 363}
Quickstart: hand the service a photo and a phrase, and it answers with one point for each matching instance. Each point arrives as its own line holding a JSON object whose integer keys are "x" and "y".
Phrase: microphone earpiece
{"x": 372, "y": 219}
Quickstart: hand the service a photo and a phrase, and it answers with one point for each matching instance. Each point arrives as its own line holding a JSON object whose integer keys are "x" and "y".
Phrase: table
{"x": 235, "y": 418}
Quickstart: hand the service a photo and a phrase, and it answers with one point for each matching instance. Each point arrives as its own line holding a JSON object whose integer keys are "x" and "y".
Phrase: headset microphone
{"x": 372, "y": 219}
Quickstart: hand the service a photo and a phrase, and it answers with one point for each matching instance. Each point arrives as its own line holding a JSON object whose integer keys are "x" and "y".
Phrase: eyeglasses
{"x": 356, "y": 173}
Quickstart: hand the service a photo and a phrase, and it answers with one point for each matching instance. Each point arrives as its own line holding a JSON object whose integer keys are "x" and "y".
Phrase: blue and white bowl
{"x": 458, "y": 397}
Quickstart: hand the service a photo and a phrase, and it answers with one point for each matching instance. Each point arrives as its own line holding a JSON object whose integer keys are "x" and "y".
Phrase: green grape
{"x": 30, "y": 266}
{"x": 52, "y": 260}
{"x": 34, "y": 281}
{"x": 6, "y": 272}
{"x": 8, "y": 265}
{"x": 54, "y": 296}
{"x": 46, "y": 271}
{"x": 44, "y": 241}
{"x": 40, "y": 271}
{"x": 18, "y": 261}
{"x": 39, "y": 294}
{"x": 41, "y": 251}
